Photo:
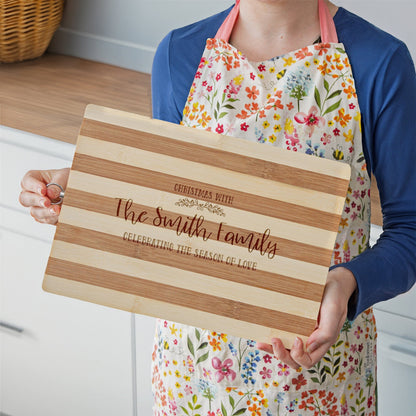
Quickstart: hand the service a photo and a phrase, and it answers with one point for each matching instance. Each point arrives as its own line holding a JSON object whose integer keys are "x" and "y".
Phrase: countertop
{"x": 47, "y": 96}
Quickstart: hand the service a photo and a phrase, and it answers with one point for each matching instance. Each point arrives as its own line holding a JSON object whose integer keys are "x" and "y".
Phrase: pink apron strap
{"x": 224, "y": 32}
{"x": 328, "y": 31}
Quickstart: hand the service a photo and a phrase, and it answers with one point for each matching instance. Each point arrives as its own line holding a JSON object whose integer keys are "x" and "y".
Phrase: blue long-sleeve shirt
{"x": 386, "y": 88}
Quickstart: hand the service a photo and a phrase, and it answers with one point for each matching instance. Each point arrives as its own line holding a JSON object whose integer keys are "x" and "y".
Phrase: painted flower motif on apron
{"x": 304, "y": 101}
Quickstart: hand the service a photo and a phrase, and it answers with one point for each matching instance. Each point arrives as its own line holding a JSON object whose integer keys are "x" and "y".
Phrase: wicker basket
{"x": 27, "y": 27}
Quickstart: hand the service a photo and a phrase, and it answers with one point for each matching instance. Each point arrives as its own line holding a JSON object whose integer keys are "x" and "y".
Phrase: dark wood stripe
{"x": 256, "y": 278}
{"x": 214, "y": 157}
{"x": 108, "y": 206}
{"x": 241, "y": 200}
{"x": 181, "y": 297}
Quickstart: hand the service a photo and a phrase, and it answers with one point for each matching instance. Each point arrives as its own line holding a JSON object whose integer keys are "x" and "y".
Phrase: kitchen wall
{"x": 126, "y": 32}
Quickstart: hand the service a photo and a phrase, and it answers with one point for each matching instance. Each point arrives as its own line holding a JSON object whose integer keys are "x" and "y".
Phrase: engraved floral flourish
{"x": 190, "y": 203}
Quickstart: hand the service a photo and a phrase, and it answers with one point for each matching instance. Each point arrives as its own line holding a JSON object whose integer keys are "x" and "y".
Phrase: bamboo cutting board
{"x": 198, "y": 228}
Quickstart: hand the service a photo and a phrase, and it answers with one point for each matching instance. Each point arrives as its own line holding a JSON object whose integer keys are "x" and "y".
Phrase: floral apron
{"x": 304, "y": 101}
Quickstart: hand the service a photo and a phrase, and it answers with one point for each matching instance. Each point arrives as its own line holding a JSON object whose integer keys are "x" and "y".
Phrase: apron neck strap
{"x": 224, "y": 32}
{"x": 328, "y": 31}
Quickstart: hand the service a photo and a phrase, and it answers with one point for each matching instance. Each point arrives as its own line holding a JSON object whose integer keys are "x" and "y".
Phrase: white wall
{"x": 126, "y": 32}
{"x": 394, "y": 16}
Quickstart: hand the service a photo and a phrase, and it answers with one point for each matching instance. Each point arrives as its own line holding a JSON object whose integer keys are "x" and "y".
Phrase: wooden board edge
{"x": 211, "y": 139}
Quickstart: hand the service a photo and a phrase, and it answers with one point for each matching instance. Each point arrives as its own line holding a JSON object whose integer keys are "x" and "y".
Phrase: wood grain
{"x": 211, "y": 140}
{"x": 224, "y": 177}
{"x": 233, "y": 263}
{"x": 296, "y": 269}
{"x": 213, "y": 157}
{"x": 289, "y": 248}
{"x": 111, "y": 188}
{"x": 166, "y": 275}
{"x": 48, "y": 95}
{"x": 182, "y": 297}
{"x": 259, "y": 278}
{"x": 241, "y": 200}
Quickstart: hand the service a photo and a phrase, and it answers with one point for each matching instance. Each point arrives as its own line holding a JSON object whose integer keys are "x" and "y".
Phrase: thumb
{"x": 332, "y": 317}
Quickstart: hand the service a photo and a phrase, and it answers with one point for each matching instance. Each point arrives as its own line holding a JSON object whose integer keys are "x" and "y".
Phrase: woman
{"x": 261, "y": 78}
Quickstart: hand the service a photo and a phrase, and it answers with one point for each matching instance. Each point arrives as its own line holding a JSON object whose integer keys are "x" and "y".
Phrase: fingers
{"x": 36, "y": 196}
{"x": 285, "y": 355}
{"x": 31, "y": 199}
{"x": 46, "y": 215}
{"x": 279, "y": 351}
{"x": 265, "y": 347}
{"x": 340, "y": 284}
{"x": 35, "y": 181}
{"x": 300, "y": 356}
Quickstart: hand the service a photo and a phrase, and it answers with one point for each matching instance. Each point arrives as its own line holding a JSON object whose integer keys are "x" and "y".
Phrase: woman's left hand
{"x": 340, "y": 285}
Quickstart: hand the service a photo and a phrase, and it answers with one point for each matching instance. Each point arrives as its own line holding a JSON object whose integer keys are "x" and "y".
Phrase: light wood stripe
{"x": 244, "y": 201}
{"x": 192, "y": 171}
{"x": 287, "y": 248}
{"x": 234, "y": 217}
{"x": 228, "y": 144}
{"x": 221, "y": 288}
{"x": 175, "y": 296}
{"x": 256, "y": 278}
{"x": 115, "y": 226}
{"x": 138, "y": 304}
{"x": 214, "y": 157}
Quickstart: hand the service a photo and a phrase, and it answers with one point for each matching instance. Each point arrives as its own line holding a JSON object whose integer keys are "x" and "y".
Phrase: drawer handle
{"x": 11, "y": 327}
{"x": 400, "y": 354}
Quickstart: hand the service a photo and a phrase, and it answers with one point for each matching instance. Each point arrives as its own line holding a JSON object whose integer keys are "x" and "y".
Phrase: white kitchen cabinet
{"x": 145, "y": 331}
{"x": 72, "y": 357}
{"x": 396, "y": 350}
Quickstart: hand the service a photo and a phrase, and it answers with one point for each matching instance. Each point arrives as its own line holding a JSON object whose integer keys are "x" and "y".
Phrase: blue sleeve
{"x": 175, "y": 64}
{"x": 164, "y": 106}
{"x": 389, "y": 267}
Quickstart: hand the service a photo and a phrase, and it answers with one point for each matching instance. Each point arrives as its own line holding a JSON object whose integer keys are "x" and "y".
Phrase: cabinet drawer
{"x": 58, "y": 356}
{"x": 396, "y": 366}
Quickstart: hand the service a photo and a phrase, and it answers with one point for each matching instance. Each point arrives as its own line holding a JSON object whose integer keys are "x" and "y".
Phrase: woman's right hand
{"x": 36, "y": 196}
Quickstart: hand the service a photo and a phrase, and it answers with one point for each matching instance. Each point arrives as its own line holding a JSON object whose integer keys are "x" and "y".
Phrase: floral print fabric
{"x": 304, "y": 101}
